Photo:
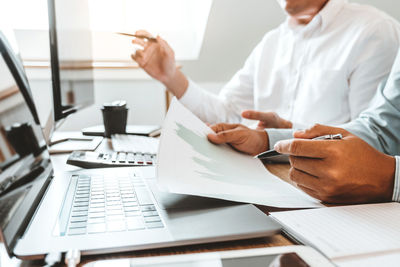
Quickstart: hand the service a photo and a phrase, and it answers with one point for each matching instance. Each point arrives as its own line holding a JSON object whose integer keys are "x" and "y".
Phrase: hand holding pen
{"x": 273, "y": 153}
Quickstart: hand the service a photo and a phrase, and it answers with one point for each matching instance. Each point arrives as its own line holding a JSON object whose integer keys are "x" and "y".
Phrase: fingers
{"x": 165, "y": 46}
{"x": 144, "y": 33}
{"x": 309, "y": 192}
{"x": 304, "y": 148}
{"x": 139, "y": 57}
{"x": 223, "y": 127}
{"x": 313, "y": 167}
{"x": 229, "y": 136}
{"x": 257, "y": 115}
{"x": 304, "y": 179}
{"x": 139, "y": 41}
{"x": 319, "y": 130}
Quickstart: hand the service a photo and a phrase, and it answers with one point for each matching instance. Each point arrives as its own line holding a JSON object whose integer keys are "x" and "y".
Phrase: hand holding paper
{"x": 189, "y": 164}
{"x": 240, "y": 137}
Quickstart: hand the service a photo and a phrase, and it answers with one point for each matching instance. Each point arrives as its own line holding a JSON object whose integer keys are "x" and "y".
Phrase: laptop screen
{"x": 24, "y": 158}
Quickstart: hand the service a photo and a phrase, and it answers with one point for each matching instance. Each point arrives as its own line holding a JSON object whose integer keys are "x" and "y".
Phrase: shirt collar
{"x": 330, "y": 11}
{"x": 323, "y": 19}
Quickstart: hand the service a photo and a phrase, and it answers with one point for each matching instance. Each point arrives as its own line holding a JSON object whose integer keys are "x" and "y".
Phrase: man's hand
{"x": 158, "y": 59}
{"x": 240, "y": 137}
{"x": 339, "y": 171}
{"x": 267, "y": 119}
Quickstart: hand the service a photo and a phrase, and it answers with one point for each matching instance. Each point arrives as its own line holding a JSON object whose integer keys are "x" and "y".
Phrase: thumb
{"x": 228, "y": 136}
{"x": 319, "y": 130}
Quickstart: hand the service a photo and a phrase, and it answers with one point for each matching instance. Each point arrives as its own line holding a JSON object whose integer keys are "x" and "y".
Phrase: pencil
{"x": 138, "y": 36}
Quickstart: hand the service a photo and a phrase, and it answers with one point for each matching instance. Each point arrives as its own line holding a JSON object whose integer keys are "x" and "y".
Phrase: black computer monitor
{"x": 14, "y": 63}
{"x": 71, "y": 58}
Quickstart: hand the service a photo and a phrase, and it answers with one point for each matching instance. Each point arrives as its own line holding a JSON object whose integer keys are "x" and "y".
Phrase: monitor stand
{"x": 145, "y": 130}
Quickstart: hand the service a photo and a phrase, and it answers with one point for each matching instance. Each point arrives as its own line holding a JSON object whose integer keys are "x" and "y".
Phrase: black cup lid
{"x": 119, "y": 104}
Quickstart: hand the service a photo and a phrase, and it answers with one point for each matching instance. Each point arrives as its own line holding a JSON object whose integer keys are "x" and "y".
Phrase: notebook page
{"x": 385, "y": 259}
{"x": 346, "y": 231}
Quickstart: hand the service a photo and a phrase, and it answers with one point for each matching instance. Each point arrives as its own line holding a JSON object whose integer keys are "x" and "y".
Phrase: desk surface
{"x": 280, "y": 170}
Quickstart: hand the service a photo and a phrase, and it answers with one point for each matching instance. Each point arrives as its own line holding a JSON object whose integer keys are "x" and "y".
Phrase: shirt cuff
{"x": 276, "y": 135}
{"x": 396, "y": 189}
{"x": 191, "y": 98}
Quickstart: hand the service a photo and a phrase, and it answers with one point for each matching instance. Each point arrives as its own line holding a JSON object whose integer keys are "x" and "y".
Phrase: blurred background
{"x": 211, "y": 38}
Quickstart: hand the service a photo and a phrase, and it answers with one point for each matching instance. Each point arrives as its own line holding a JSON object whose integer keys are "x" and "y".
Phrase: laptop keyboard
{"x": 110, "y": 204}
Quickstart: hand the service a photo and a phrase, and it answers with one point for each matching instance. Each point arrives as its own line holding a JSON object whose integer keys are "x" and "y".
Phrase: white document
{"x": 189, "y": 164}
{"x": 350, "y": 233}
{"x": 383, "y": 259}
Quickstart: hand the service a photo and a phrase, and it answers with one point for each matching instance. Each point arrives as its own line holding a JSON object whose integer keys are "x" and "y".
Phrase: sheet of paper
{"x": 189, "y": 164}
{"x": 384, "y": 259}
{"x": 341, "y": 232}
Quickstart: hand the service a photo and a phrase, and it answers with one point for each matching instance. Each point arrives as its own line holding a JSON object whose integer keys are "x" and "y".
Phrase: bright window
{"x": 181, "y": 22}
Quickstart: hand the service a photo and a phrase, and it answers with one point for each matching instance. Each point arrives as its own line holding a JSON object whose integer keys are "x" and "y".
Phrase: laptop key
{"x": 148, "y": 208}
{"x": 150, "y": 213}
{"x": 81, "y": 204}
{"x": 152, "y": 219}
{"x": 135, "y": 223}
{"x": 116, "y": 226}
{"x": 152, "y": 225}
{"x": 114, "y": 212}
{"x": 115, "y": 217}
{"x": 143, "y": 196}
{"x": 77, "y": 225}
{"x": 96, "y": 220}
{"x": 79, "y": 214}
{"x": 78, "y": 219}
{"x": 96, "y": 228}
{"x": 132, "y": 213}
{"x": 78, "y": 209}
{"x": 97, "y": 214}
{"x": 134, "y": 208}
{"x": 77, "y": 231}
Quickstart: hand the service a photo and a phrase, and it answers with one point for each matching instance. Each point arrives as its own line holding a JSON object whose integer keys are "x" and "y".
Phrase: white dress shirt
{"x": 324, "y": 72}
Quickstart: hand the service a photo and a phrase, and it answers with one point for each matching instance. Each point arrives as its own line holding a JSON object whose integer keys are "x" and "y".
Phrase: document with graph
{"x": 189, "y": 164}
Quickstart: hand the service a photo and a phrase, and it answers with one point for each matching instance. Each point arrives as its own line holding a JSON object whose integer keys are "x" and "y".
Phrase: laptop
{"x": 96, "y": 211}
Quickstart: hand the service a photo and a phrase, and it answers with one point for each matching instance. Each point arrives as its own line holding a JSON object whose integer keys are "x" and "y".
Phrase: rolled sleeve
{"x": 276, "y": 135}
{"x": 396, "y": 189}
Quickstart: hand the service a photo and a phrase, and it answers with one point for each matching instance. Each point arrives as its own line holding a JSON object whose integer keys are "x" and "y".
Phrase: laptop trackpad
{"x": 168, "y": 201}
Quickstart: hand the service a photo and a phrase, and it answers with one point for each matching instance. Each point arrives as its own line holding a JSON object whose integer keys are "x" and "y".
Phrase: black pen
{"x": 273, "y": 153}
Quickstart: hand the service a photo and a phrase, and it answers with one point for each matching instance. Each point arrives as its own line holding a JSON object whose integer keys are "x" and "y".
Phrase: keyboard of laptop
{"x": 98, "y": 204}
{"x": 135, "y": 144}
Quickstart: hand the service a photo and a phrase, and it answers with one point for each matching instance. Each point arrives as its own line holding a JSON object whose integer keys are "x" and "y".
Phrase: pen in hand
{"x": 273, "y": 153}
{"x": 151, "y": 39}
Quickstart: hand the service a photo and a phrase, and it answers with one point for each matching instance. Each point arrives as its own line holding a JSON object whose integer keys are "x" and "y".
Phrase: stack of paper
{"x": 361, "y": 235}
{"x": 189, "y": 164}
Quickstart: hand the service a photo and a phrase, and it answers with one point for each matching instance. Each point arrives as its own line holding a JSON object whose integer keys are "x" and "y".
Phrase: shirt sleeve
{"x": 379, "y": 125}
{"x": 379, "y": 45}
{"x": 396, "y": 189}
{"x": 276, "y": 135}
